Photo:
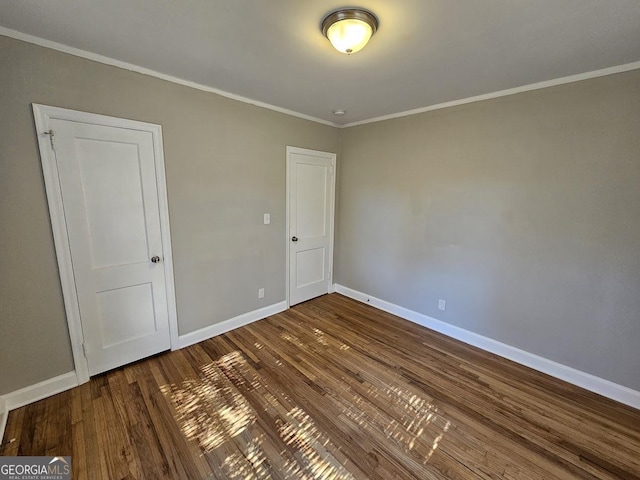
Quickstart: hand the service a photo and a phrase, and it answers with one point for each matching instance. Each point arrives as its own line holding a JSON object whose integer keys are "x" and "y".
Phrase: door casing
{"x": 43, "y": 115}
{"x": 305, "y": 151}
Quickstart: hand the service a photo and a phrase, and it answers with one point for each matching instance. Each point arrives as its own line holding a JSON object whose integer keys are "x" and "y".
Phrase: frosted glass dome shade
{"x": 349, "y": 30}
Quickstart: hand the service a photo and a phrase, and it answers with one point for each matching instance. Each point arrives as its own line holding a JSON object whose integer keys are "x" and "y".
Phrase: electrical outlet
{"x": 442, "y": 304}
{"x": 261, "y": 293}
{"x": 267, "y": 218}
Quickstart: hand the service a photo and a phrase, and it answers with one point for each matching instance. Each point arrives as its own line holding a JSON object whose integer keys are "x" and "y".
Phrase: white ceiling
{"x": 426, "y": 52}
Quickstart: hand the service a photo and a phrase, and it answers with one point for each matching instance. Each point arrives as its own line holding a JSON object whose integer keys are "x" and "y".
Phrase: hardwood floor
{"x": 330, "y": 389}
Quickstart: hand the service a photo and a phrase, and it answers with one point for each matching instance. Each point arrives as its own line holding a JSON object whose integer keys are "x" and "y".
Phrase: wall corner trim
{"x": 40, "y": 390}
{"x": 598, "y": 385}
{"x": 228, "y": 325}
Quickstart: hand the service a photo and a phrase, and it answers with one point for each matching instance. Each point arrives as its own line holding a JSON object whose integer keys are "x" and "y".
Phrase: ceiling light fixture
{"x": 349, "y": 29}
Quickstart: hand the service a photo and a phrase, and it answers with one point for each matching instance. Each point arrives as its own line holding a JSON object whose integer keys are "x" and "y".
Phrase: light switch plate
{"x": 267, "y": 218}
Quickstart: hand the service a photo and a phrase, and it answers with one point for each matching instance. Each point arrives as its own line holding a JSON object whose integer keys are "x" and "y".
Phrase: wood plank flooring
{"x": 330, "y": 389}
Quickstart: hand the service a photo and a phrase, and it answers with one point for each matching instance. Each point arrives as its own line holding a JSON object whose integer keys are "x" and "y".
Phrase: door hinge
{"x": 84, "y": 349}
{"x": 51, "y": 135}
{"x": 331, "y": 169}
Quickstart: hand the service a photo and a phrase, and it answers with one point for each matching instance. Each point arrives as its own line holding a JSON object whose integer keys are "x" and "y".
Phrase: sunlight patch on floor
{"x": 210, "y": 409}
{"x": 221, "y": 406}
{"x": 315, "y": 461}
{"x": 213, "y": 411}
{"x": 249, "y": 463}
{"x": 406, "y": 416}
{"x": 413, "y": 422}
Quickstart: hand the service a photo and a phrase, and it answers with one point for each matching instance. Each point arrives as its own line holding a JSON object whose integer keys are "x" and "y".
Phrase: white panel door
{"x": 110, "y": 198}
{"x": 310, "y": 214}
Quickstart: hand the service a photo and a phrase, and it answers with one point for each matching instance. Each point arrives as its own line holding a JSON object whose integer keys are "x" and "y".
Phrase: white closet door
{"x": 311, "y": 193}
{"x": 110, "y": 199}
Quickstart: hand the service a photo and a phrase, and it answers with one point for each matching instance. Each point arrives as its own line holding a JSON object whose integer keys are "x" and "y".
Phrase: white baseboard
{"x": 40, "y": 390}
{"x": 47, "y": 388}
{"x": 4, "y": 415}
{"x": 228, "y": 325}
{"x": 587, "y": 381}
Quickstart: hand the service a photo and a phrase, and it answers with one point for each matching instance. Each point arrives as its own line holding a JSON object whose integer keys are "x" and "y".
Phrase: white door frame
{"x": 333, "y": 157}
{"x": 43, "y": 115}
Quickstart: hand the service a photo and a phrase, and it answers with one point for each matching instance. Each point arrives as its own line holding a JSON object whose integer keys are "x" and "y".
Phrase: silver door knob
{"x": 294, "y": 239}
{"x": 155, "y": 259}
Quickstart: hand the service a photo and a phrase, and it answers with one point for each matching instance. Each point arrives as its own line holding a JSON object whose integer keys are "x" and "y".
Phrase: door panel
{"x": 126, "y": 314}
{"x": 109, "y": 193}
{"x": 110, "y": 175}
{"x": 310, "y": 266}
{"x": 310, "y": 194}
{"x": 311, "y": 199}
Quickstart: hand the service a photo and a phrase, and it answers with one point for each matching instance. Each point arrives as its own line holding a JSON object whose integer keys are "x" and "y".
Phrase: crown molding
{"x": 152, "y": 73}
{"x": 454, "y": 103}
{"x": 503, "y": 93}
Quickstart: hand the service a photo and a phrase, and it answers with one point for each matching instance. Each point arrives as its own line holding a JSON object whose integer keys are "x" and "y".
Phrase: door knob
{"x": 294, "y": 239}
{"x": 155, "y": 259}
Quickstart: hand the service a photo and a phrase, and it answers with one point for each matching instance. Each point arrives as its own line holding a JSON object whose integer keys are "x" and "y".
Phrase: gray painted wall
{"x": 522, "y": 212}
{"x": 225, "y": 163}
